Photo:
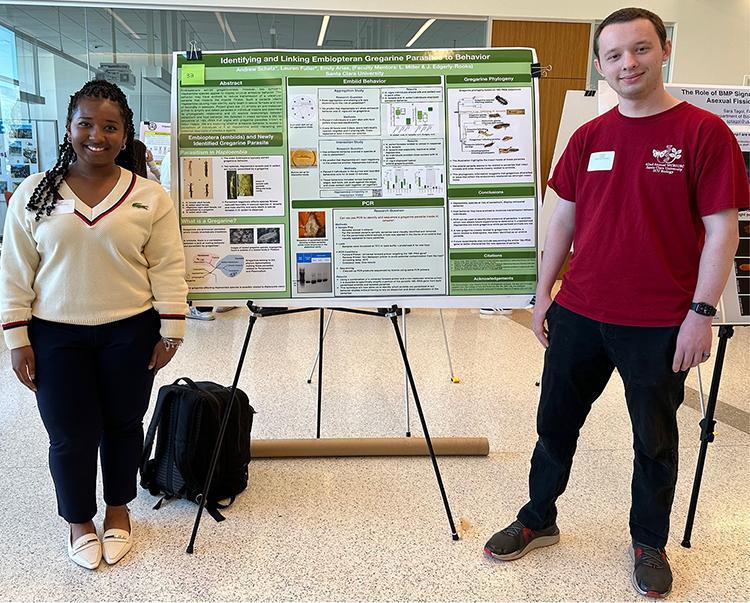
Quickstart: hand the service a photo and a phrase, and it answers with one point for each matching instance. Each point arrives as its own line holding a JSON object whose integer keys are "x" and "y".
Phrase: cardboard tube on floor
{"x": 368, "y": 447}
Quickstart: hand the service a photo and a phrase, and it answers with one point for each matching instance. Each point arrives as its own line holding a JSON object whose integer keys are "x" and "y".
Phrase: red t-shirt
{"x": 639, "y": 202}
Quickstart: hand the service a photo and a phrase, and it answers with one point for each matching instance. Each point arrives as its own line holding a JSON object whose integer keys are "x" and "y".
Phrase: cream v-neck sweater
{"x": 91, "y": 266}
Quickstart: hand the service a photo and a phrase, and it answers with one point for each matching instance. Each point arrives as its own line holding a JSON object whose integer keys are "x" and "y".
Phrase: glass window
{"x": 47, "y": 53}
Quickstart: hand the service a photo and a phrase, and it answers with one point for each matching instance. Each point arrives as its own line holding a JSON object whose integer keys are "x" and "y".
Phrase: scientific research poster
{"x": 156, "y": 135}
{"x": 20, "y": 158}
{"x": 732, "y": 104}
{"x": 360, "y": 178}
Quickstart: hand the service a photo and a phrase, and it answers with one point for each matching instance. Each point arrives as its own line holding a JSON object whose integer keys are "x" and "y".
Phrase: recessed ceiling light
{"x": 323, "y": 27}
{"x": 420, "y": 32}
{"x": 122, "y": 22}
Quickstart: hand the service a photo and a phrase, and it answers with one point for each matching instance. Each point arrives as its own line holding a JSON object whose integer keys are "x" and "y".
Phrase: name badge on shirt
{"x": 64, "y": 206}
{"x": 601, "y": 161}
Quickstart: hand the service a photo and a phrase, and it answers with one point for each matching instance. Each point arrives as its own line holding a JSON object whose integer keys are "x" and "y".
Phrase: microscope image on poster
{"x": 197, "y": 178}
{"x": 311, "y": 225}
{"x": 239, "y": 184}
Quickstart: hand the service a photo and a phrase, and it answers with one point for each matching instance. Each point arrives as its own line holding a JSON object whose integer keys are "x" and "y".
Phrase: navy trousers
{"x": 577, "y": 366}
{"x": 93, "y": 389}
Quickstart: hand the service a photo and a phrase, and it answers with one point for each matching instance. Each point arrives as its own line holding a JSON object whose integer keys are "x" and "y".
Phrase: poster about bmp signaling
{"x": 732, "y": 104}
{"x": 360, "y": 178}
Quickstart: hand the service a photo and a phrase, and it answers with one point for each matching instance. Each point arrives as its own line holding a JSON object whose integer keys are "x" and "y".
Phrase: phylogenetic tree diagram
{"x": 484, "y": 123}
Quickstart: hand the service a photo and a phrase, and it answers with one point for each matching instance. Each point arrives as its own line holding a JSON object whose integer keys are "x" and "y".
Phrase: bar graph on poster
{"x": 359, "y": 178}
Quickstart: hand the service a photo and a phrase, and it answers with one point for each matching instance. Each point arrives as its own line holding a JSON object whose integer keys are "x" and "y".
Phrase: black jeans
{"x": 93, "y": 388}
{"x": 577, "y": 366}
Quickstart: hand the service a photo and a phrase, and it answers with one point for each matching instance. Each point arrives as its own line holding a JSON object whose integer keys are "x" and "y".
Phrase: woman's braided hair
{"x": 43, "y": 198}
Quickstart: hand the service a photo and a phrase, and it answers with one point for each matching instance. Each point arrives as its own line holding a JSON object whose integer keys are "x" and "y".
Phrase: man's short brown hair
{"x": 625, "y": 15}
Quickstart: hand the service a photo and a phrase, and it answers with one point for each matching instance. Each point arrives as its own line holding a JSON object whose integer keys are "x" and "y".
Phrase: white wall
{"x": 712, "y": 39}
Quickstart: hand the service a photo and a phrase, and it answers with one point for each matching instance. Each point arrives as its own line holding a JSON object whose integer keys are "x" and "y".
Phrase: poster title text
{"x": 343, "y": 59}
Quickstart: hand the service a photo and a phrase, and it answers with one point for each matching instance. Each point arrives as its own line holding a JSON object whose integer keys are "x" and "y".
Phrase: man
{"x": 650, "y": 192}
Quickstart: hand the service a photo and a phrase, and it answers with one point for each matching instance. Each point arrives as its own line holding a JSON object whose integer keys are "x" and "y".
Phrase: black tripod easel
{"x": 255, "y": 313}
{"x": 707, "y": 425}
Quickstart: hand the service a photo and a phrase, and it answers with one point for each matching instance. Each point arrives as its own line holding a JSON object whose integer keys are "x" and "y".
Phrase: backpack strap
{"x": 148, "y": 443}
{"x": 190, "y": 383}
{"x": 213, "y": 510}
{"x": 233, "y": 398}
{"x": 157, "y": 506}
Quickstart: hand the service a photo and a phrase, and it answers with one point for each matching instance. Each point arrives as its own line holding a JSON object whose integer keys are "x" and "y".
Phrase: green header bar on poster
{"x": 492, "y": 278}
{"x": 239, "y": 295}
{"x": 216, "y": 221}
{"x": 474, "y": 192}
{"x": 491, "y": 255}
{"x": 508, "y": 78}
{"x": 265, "y": 57}
{"x": 365, "y": 81}
{"x": 234, "y": 83}
{"x": 244, "y": 139}
{"x": 368, "y": 203}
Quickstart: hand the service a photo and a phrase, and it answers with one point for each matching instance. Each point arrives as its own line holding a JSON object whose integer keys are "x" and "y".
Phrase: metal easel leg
{"x": 217, "y": 447}
{"x": 707, "y": 429}
{"x": 317, "y": 355}
{"x": 320, "y": 368}
{"x": 406, "y": 383}
{"x": 393, "y": 315}
{"x": 701, "y": 398}
{"x": 454, "y": 379}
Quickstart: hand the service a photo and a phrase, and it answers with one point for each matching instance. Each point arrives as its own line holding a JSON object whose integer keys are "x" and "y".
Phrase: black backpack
{"x": 188, "y": 418}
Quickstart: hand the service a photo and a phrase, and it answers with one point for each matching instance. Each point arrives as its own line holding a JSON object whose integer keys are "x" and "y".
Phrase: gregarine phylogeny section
{"x": 491, "y": 136}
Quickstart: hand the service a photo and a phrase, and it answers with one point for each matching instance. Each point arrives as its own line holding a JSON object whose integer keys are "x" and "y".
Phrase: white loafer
{"x": 116, "y": 543}
{"x": 86, "y": 551}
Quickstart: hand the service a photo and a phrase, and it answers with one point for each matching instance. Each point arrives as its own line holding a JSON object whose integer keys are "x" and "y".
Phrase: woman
{"x": 92, "y": 302}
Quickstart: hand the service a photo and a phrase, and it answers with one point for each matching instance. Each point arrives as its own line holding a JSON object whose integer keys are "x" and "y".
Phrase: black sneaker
{"x": 516, "y": 540}
{"x": 652, "y": 576}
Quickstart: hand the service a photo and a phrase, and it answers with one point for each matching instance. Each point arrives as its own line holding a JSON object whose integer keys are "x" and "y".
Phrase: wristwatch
{"x": 703, "y": 309}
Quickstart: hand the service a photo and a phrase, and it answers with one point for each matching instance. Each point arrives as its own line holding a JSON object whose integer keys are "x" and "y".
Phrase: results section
{"x": 379, "y": 149}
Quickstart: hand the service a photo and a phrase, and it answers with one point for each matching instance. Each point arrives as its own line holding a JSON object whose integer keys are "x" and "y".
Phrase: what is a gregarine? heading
{"x": 332, "y": 59}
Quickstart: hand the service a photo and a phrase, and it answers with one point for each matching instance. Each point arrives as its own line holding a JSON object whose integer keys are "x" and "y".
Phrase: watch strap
{"x": 703, "y": 309}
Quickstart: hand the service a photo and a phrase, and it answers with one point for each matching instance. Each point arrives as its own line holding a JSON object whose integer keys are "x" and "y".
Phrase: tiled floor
{"x": 374, "y": 528}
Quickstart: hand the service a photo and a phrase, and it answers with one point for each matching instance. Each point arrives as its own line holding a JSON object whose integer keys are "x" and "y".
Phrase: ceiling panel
{"x": 64, "y": 28}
